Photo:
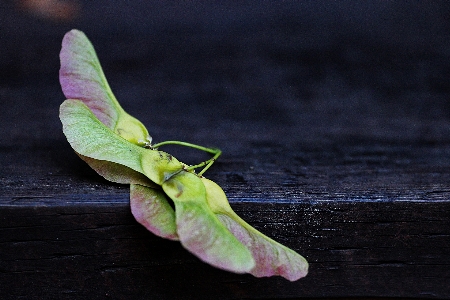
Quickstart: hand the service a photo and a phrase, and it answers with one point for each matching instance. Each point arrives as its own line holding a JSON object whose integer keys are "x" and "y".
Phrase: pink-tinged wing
{"x": 271, "y": 258}
{"x": 151, "y": 209}
{"x": 200, "y": 231}
{"x": 81, "y": 77}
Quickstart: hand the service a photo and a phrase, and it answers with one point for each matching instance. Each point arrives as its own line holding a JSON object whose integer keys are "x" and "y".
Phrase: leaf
{"x": 111, "y": 142}
{"x": 271, "y": 258}
{"x": 198, "y": 228}
{"x": 151, "y": 209}
{"x": 89, "y": 137}
{"x": 81, "y": 77}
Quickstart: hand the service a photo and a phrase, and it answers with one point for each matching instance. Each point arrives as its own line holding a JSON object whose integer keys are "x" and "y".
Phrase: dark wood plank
{"x": 99, "y": 250}
{"x": 364, "y": 236}
{"x": 336, "y": 143}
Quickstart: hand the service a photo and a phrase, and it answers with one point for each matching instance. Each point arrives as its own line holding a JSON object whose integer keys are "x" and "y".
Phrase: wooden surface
{"x": 336, "y": 142}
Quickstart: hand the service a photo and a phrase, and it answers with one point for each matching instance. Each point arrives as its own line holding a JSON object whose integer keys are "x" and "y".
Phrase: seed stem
{"x": 206, "y": 164}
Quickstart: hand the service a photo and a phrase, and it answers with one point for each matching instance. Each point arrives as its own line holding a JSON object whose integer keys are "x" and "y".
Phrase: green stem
{"x": 206, "y": 164}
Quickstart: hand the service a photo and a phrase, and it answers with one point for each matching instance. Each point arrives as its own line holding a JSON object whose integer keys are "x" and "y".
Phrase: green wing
{"x": 89, "y": 137}
{"x": 200, "y": 231}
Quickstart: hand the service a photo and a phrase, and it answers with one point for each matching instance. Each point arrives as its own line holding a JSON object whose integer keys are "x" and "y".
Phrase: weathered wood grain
{"x": 365, "y": 249}
{"x": 366, "y": 231}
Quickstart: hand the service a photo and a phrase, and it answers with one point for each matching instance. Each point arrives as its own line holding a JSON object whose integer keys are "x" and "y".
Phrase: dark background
{"x": 333, "y": 118}
{"x": 378, "y": 69}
